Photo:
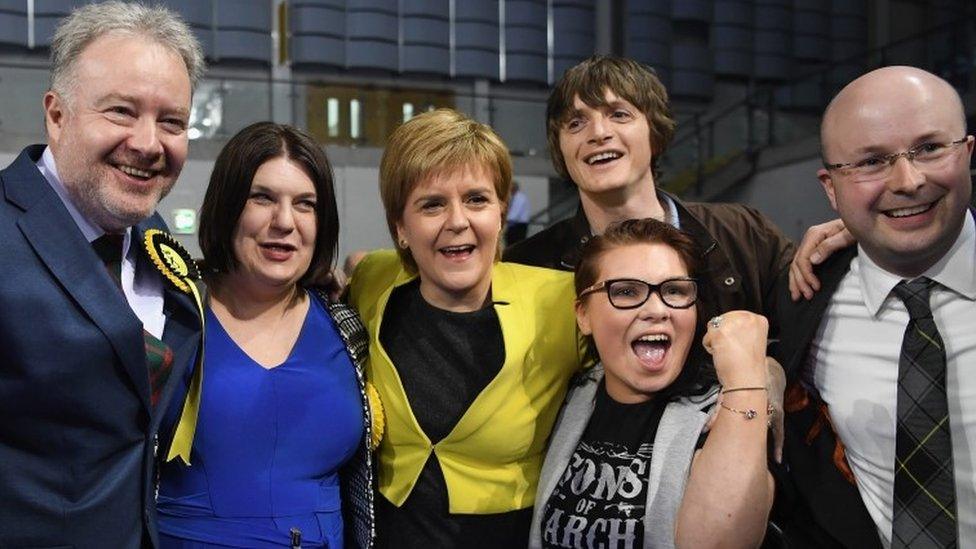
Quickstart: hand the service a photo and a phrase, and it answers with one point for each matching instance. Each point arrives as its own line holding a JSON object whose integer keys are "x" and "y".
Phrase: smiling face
{"x": 119, "y": 140}
{"x": 451, "y": 223}
{"x": 607, "y": 149}
{"x": 907, "y": 221}
{"x": 644, "y": 349}
{"x": 275, "y": 236}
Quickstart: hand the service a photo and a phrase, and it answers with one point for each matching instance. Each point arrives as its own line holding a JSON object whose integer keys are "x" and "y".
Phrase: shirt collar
{"x": 91, "y": 231}
{"x": 956, "y": 270}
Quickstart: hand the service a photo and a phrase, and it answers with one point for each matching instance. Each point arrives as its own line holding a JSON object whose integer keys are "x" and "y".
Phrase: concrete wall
{"x": 789, "y": 194}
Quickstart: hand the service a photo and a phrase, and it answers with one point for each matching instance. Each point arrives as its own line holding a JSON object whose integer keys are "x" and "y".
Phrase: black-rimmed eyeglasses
{"x": 879, "y": 166}
{"x": 630, "y": 293}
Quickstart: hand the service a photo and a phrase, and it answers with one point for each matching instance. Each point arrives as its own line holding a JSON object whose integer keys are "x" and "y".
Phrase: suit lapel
{"x": 58, "y": 243}
{"x": 183, "y": 325}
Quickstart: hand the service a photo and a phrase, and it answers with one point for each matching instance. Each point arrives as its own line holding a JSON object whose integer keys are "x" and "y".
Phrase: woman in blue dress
{"x": 281, "y": 451}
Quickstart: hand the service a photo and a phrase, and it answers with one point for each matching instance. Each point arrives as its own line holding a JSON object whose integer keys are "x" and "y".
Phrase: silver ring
{"x": 715, "y": 322}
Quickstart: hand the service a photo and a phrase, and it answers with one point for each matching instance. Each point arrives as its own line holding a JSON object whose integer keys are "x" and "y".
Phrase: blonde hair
{"x": 434, "y": 143}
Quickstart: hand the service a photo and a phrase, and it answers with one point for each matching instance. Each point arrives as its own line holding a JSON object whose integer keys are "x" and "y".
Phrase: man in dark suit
{"x": 89, "y": 341}
{"x": 881, "y": 403}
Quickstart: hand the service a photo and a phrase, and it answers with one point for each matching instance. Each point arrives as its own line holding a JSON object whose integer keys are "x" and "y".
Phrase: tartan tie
{"x": 159, "y": 357}
{"x": 925, "y": 490}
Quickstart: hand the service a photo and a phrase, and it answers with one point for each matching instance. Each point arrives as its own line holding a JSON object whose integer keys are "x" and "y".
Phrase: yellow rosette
{"x": 177, "y": 267}
{"x": 378, "y": 423}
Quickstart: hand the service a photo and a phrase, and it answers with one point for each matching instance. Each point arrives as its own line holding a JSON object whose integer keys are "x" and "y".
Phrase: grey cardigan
{"x": 674, "y": 447}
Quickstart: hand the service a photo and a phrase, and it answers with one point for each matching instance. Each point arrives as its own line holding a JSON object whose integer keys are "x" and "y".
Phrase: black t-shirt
{"x": 600, "y": 497}
{"x": 444, "y": 360}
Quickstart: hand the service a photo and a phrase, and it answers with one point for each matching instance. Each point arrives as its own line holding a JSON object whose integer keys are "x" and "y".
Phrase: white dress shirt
{"x": 853, "y": 364}
{"x": 143, "y": 292}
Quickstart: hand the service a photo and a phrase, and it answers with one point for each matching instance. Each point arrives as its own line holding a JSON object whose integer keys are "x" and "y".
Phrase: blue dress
{"x": 268, "y": 445}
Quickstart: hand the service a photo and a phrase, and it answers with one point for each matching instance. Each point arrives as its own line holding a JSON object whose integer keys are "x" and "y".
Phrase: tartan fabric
{"x": 925, "y": 499}
{"x": 159, "y": 357}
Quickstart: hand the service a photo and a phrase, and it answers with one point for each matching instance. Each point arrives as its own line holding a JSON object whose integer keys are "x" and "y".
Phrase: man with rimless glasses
{"x": 881, "y": 363}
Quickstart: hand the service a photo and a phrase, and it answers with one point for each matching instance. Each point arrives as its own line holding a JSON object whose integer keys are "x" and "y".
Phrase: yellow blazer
{"x": 492, "y": 458}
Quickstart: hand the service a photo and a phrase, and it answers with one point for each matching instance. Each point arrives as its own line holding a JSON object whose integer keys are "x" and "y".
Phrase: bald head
{"x": 886, "y": 94}
{"x": 896, "y": 158}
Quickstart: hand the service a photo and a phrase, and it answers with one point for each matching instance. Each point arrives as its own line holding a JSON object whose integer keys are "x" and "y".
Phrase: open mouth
{"x": 134, "y": 172}
{"x": 280, "y": 247}
{"x": 602, "y": 158}
{"x": 457, "y": 252}
{"x": 651, "y": 349}
{"x": 908, "y": 212}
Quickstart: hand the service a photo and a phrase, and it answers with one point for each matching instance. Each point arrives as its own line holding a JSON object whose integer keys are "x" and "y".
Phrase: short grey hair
{"x": 93, "y": 21}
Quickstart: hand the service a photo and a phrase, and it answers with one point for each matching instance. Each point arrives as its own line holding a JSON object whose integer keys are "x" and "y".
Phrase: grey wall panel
{"x": 812, "y": 5}
{"x": 476, "y": 35}
{"x": 525, "y": 39}
{"x": 476, "y": 63}
{"x": 735, "y": 63}
{"x": 654, "y": 7}
{"x": 338, "y": 4}
{"x": 849, "y": 27}
{"x": 525, "y": 12}
{"x": 372, "y": 25}
{"x": 477, "y": 10}
{"x": 651, "y": 52}
{"x": 572, "y": 45}
{"x": 47, "y": 15}
{"x": 811, "y": 22}
{"x": 386, "y": 6}
{"x": 325, "y": 21}
{"x": 807, "y": 46}
{"x": 432, "y": 32}
{"x": 771, "y": 67}
{"x": 691, "y": 83}
{"x": 527, "y": 67}
{"x": 194, "y": 12}
{"x": 849, "y": 7}
{"x": 732, "y": 12}
{"x": 731, "y": 38}
{"x": 648, "y": 27}
{"x": 694, "y": 10}
{"x": 691, "y": 56}
{"x": 771, "y": 41}
{"x": 773, "y": 17}
{"x": 573, "y": 18}
{"x": 243, "y": 14}
{"x": 318, "y": 50}
{"x": 13, "y": 29}
{"x": 590, "y": 4}
{"x": 426, "y": 8}
{"x": 372, "y": 54}
{"x": 425, "y": 59}
{"x": 244, "y": 45}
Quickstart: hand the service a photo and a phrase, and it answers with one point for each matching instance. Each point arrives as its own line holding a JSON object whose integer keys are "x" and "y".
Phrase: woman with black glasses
{"x": 629, "y": 463}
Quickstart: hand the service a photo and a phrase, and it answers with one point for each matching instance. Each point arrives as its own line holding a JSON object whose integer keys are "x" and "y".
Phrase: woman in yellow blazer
{"x": 471, "y": 356}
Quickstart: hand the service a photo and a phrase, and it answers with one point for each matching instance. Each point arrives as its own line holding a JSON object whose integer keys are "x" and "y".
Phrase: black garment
{"x": 444, "y": 360}
{"x": 815, "y": 504}
{"x": 600, "y": 498}
{"x": 742, "y": 253}
{"x": 515, "y": 232}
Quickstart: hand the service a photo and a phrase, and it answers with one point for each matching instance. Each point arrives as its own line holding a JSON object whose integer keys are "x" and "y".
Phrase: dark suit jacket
{"x": 77, "y": 432}
{"x": 815, "y": 504}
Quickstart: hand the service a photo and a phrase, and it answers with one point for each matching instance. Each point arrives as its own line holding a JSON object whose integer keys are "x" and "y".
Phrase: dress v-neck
{"x": 212, "y": 317}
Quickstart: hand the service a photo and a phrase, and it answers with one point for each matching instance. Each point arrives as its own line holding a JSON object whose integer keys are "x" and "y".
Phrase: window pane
{"x": 354, "y": 121}
{"x": 333, "y": 116}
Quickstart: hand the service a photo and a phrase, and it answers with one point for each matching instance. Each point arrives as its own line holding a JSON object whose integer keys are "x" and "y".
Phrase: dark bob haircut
{"x": 693, "y": 379}
{"x": 230, "y": 185}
